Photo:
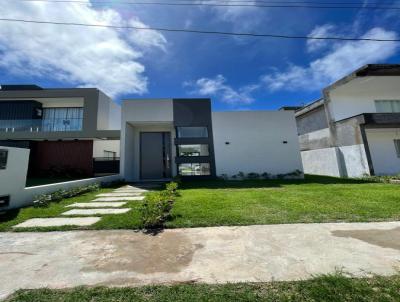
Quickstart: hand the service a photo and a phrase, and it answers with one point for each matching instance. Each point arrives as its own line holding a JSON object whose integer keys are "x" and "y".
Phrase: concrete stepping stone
{"x": 95, "y": 211}
{"x": 118, "y": 194}
{"x": 96, "y": 205}
{"x": 121, "y": 198}
{"x": 54, "y": 222}
{"x": 131, "y": 191}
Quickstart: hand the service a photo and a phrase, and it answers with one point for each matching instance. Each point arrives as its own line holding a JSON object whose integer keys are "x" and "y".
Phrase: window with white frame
{"x": 397, "y": 146}
{"x": 387, "y": 106}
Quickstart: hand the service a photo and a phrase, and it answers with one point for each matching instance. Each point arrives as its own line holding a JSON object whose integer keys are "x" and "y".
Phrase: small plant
{"x": 253, "y": 175}
{"x": 44, "y": 200}
{"x": 157, "y": 206}
{"x": 172, "y": 188}
{"x": 241, "y": 175}
{"x": 224, "y": 176}
{"x": 266, "y": 175}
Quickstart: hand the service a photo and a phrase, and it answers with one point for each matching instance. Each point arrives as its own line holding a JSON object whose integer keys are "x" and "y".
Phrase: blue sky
{"x": 237, "y": 73}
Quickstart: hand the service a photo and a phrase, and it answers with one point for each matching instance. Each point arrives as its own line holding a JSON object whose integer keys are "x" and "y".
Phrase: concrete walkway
{"x": 104, "y": 204}
{"x": 212, "y": 255}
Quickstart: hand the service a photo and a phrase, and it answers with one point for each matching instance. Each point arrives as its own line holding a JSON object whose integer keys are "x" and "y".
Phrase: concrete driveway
{"x": 212, "y": 255}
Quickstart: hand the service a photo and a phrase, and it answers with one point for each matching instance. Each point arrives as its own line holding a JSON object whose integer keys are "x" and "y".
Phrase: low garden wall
{"x": 13, "y": 172}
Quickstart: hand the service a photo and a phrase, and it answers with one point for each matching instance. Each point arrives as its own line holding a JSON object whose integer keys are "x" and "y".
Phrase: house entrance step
{"x": 55, "y": 222}
{"x": 84, "y": 212}
{"x": 96, "y": 205}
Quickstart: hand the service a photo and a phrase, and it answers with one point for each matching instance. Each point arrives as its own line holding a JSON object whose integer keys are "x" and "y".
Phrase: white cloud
{"x": 320, "y": 31}
{"x": 100, "y": 57}
{"x": 343, "y": 58}
{"x": 217, "y": 87}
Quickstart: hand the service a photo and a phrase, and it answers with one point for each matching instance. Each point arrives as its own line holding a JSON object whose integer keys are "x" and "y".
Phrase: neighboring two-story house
{"x": 68, "y": 131}
{"x": 354, "y": 129}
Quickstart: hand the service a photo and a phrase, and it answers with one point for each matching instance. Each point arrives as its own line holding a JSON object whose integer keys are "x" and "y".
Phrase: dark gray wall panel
{"x": 19, "y": 110}
{"x": 195, "y": 113}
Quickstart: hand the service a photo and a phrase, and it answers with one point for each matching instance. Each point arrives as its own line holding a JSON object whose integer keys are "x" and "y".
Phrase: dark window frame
{"x": 192, "y": 174}
{"x": 397, "y": 147}
{"x": 3, "y": 159}
{"x": 184, "y": 137}
{"x": 190, "y": 156}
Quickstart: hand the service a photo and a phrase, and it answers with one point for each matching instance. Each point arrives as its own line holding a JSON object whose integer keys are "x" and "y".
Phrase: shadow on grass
{"x": 9, "y": 215}
{"x": 268, "y": 183}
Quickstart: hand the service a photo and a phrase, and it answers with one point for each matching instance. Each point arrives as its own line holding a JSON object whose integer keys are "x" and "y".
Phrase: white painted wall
{"x": 13, "y": 178}
{"x": 347, "y": 161}
{"x": 383, "y": 152}
{"x": 353, "y": 161}
{"x": 359, "y": 95}
{"x": 99, "y": 146}
{"x": 256, "y": 142}
{"x": 147, "y": 111}
{"x": 321, "y": 162}
{"x": 108, "y": 113}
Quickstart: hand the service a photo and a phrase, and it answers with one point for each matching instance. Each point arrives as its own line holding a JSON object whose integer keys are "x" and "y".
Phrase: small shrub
{"x": 266, "y": 175}
{"x": 42, "y": 201}
{"x": 157, "y": 206}
{"x": 241, "y": 175}
{"x": 253, "y": 175}
{"x": 224, "y": 177}
{"x": 45, "y": 199}
{"x": 382, "y": 178}
{"x": 172, "y": 188}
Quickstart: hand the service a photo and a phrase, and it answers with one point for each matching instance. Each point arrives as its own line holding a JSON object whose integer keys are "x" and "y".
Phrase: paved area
{"x": 131, "y": 198}
{"x": 212, "y": 255}
{"x": 96, "y": 205}
{"x": 52, "y": 222}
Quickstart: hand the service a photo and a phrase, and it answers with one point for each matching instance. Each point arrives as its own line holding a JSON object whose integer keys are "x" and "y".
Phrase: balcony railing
{"x": 38, "y": 125}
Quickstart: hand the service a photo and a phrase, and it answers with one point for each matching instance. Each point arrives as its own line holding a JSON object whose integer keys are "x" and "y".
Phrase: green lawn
{"x": 214, "y": 203}
{"x": 316, "y": 199}
{"x": 329, "y": 288}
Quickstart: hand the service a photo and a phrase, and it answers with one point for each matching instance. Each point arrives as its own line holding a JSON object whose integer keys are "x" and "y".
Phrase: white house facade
{"x": 164, "y": 138}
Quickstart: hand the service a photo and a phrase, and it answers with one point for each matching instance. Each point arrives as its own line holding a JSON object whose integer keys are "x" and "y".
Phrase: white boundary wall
{"x": 256, "y": 141}
{"x": 13, "y": 179}
{"x": 346, "y": 161}
{"x": 321, "y": 162}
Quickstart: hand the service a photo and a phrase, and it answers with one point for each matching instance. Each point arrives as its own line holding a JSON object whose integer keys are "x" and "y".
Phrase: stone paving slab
{"x": 129, "y": 198}
{"x": 95, "y": 211}
{"x": 205, "y": 255}
{"x": 96, "y": 205}
{"x": 53, "y": 222}
{"x": 131, "y": 191}
{"x": 118, "y": 194}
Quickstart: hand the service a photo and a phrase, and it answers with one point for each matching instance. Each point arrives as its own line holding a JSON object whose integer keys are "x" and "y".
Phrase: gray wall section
{"x": 312, "y": 121}
{"x": 90, "y": 112}
{"x": 195, "y": 113}
{"x": 348, "y": 131}
{"x": 315, "y": 140}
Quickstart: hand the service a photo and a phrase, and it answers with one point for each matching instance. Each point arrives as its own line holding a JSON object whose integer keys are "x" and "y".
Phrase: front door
{"x": 155, "y": 155}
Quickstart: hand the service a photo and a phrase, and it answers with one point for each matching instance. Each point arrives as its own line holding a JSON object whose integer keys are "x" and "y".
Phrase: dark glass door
{"x": 155, "y": 155}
